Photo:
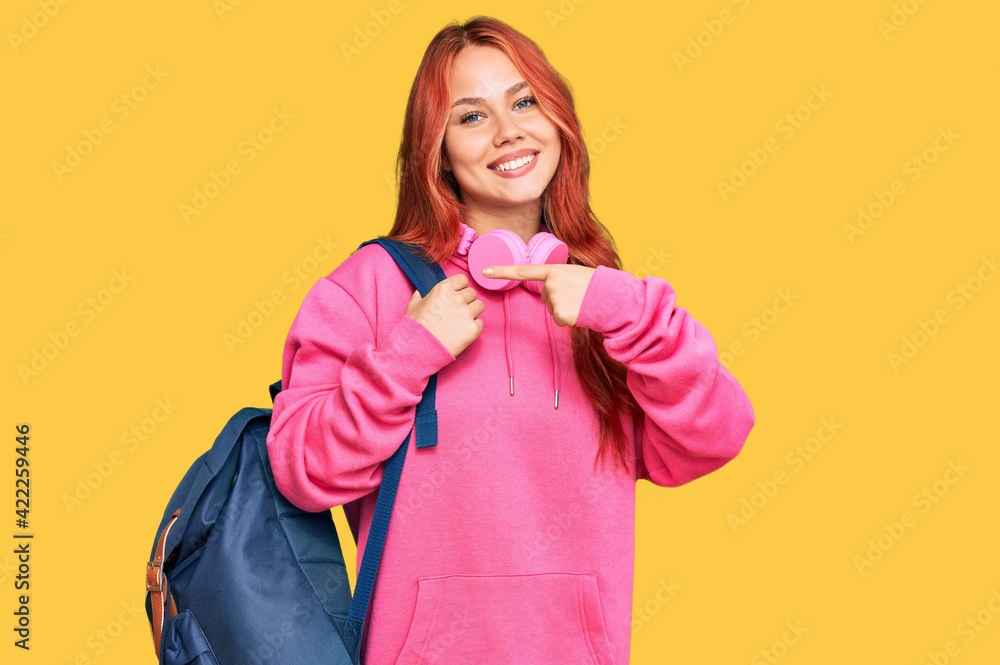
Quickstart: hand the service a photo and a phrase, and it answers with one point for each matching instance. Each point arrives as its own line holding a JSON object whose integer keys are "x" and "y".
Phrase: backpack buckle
{"x": 154, "y": 576}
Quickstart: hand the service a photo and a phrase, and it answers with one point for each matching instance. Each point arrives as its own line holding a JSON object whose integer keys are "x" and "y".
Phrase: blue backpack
{"x": 240, "y": 576}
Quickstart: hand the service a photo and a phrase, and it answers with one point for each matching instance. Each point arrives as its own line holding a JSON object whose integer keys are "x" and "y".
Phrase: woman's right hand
{"x": 449, "y": 311}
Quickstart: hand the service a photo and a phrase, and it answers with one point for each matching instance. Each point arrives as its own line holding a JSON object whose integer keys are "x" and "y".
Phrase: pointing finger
{"x": 518, "y": 272}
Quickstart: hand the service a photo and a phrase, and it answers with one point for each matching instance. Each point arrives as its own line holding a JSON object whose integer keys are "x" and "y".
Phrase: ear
{"x": 445, "y": 162}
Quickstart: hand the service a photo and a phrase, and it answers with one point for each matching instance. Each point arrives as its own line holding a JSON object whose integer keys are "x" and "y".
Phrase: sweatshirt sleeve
{"x": 697, "y": 416}
{"x": 348, "y": 399}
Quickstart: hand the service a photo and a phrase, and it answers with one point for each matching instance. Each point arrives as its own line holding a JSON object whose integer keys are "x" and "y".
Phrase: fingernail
{"x": 488, "y": 271}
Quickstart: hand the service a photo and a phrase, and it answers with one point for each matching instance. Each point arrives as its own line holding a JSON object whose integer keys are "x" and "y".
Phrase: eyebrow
{"x": 476, "y": 100}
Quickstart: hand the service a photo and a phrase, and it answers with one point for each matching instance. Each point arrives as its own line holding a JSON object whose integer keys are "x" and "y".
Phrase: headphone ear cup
{"x": 545, "y": 248}
{"x": 498, "y": 247}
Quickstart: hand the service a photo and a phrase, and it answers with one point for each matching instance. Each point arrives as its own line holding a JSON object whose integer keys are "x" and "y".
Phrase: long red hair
{"x": 429, "y": 211}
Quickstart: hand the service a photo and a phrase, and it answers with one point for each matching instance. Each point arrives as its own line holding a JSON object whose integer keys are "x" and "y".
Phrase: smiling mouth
{"x": 514, "y": 164}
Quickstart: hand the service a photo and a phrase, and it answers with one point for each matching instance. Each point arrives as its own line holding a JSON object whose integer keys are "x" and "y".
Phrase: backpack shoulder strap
{"x": 423, "y": 276}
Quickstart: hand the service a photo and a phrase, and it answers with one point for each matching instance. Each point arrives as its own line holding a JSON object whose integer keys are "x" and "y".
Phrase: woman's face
{"x": 494, "y": 114}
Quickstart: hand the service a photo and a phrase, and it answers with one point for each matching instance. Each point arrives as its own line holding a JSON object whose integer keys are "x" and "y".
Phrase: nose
{"x": 507, "y": 129}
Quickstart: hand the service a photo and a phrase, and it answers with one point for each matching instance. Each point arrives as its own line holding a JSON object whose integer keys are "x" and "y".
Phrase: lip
{"x": 511, "y": 155}
{"x": 516, "y": 173}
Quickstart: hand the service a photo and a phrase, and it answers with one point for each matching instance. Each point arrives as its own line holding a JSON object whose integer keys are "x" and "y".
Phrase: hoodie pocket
{"x": 551, "y": 618}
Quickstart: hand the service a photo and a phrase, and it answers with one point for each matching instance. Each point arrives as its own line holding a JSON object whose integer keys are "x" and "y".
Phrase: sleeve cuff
{"x": 613, "y": 300}
{"x": 411, "y": 346}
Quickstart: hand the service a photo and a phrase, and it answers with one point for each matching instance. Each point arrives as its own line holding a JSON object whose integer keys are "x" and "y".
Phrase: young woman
{"x": 561, "y": 383}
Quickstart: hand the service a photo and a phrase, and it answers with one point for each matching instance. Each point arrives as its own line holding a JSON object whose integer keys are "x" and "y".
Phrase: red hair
{"x": 429, "y": 210}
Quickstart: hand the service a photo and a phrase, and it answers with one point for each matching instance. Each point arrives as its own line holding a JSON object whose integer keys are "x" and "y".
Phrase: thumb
{"x": 414, "y": 301}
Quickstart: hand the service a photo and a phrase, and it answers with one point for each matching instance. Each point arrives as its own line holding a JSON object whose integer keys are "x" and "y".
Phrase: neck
{"x": 524, "y": 220}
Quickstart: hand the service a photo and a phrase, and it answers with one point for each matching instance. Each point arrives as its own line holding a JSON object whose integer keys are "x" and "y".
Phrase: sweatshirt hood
{"x": 460, "y": 258}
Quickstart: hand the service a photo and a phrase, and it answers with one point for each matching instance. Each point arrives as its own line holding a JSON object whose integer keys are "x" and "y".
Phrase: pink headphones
{"x": 501, "y": 247}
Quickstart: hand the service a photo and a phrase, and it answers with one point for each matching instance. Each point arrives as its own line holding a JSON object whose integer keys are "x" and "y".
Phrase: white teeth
{"x": 514, "y": 164}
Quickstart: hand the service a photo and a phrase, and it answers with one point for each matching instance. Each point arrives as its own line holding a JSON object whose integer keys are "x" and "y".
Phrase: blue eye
{"x": 465, "y": 118}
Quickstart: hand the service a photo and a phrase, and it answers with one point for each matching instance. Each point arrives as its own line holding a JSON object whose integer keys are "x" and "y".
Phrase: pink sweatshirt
{"x": 504, "y": 546}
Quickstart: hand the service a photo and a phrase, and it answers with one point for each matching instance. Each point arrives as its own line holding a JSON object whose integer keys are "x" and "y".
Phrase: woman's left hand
{"x": 563, "y": 286}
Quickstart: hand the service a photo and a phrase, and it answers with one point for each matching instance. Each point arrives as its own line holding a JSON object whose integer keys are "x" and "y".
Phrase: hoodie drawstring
{"x": 555, "y": 356}
{"x": 460, "y": 259}
{"x": 508, "y": 351}
{"x": 506, "y": 338}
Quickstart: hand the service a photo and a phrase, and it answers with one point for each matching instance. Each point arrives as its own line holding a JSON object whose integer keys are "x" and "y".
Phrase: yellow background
{"x": 680, "y": 130}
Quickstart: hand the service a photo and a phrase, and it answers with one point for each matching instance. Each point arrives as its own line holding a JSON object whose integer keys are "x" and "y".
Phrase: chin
{"x": 523, "y": 194}
{"x": 510, "y": 202}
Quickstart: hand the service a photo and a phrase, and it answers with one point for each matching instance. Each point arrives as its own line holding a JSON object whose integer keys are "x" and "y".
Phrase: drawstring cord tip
{"x": 512, "y": 386}
{"x": 557, "y": 399}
